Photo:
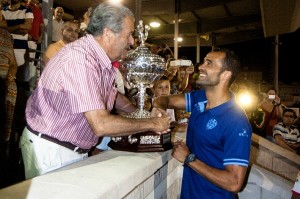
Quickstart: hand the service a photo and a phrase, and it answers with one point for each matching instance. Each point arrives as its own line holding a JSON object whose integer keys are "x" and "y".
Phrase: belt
{"x": 56, "y": 141}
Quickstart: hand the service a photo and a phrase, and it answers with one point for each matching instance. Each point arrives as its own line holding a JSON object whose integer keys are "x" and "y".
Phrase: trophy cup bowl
{"x": 141, "y": 69}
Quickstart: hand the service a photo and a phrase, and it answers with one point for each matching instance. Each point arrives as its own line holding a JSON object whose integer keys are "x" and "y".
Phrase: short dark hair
{"x": 67, "y": 23}
{"x": 288, "y": 110}
{"x": 231, "y": 62}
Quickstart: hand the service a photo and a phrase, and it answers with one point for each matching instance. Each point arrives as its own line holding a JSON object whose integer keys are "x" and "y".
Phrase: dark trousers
{"x": 11, "y": 166}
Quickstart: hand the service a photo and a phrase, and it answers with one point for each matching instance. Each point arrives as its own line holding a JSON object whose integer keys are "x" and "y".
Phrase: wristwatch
{"x": 190, "y": 158}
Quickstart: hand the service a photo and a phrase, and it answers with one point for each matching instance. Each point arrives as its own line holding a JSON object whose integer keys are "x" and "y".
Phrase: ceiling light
{"x": 115, "y": 1}
{"x": 154, "y": 24}
{"x": 179, "y": 39}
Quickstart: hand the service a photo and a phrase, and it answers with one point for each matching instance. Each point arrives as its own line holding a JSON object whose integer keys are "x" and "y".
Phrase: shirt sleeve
{"x": 276, "y": 130}
{"x": 237, "y": 143}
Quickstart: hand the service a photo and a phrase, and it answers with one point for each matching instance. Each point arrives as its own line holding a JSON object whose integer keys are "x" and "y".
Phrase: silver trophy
{"x": 141, "y": 69}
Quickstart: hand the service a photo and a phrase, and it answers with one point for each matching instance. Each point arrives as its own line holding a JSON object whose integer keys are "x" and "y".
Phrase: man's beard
{"x": 209, "y": 82}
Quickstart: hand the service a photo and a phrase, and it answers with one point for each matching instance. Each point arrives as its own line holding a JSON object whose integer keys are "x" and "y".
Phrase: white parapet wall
{"x": 120, "y": 174}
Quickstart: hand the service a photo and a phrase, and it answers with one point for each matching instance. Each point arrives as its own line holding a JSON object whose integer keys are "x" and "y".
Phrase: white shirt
{"x": 56, "y": 29}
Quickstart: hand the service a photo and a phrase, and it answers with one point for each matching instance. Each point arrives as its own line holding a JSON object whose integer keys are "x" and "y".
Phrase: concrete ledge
{"x": 111, "y": 174}
{"x": 274, "y": 158}
{"x": 263, "y": 184}
{"x": 119, "y": 174}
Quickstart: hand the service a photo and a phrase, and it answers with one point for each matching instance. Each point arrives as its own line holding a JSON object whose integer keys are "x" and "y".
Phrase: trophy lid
{"x": 141, "y": 66}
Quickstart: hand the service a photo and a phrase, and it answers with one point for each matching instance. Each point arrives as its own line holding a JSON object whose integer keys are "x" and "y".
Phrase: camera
{"x": 271, "y": 97}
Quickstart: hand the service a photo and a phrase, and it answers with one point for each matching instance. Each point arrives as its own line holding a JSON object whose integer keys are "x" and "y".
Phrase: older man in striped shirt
{"x": 70, "y": 108}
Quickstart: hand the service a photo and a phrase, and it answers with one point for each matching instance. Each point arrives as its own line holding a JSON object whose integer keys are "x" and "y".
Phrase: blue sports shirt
{"x": 220, "y": 136}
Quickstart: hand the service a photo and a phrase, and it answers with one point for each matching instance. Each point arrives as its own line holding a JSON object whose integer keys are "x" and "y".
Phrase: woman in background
{"x": 8, "y": 69}
{"x": 267, "y": 114}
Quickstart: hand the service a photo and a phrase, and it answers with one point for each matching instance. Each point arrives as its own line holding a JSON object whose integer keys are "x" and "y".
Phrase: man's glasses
{"x": 289, "y": 116}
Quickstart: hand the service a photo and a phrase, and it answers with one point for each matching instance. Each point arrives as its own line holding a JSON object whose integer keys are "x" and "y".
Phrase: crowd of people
{"x": 276, "y": 122}
{"x": 73, "y": 108}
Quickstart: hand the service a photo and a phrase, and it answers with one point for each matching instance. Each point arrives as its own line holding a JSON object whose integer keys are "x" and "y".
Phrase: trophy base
{"x": 142, "y": 142}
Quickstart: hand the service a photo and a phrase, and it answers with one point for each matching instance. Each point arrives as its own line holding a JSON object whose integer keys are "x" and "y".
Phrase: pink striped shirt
{"x": 79, "y": 78}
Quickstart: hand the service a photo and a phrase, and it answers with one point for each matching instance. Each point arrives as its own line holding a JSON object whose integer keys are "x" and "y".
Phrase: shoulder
{"x": 53, "y": 45}
{"x": 233, "y": 114}
{"x": 279, "y": 126}
{"x": 195, "y": 97}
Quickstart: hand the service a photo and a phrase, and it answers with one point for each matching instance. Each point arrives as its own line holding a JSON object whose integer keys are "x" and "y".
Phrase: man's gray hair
{"x": 107, "y": 15}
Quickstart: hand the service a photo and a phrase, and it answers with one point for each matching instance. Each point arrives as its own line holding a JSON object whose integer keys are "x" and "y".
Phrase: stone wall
{"x": 274, "y": 158}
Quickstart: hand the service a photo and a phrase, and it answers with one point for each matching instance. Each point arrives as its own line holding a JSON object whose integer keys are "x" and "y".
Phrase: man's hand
{"x": 161, "y": 119}
{"x": 180, "y": 150}
{"x": 157, "y": 112}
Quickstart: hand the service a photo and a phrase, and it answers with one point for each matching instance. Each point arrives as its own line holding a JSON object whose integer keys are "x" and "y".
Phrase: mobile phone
{"x": 181, "y": 62}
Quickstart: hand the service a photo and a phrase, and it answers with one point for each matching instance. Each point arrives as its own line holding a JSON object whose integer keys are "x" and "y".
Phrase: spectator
{"x": 154, "y": 48}
{"x": 8, "y": 92}
{"x": 19, "y": 22}
{"x": 162, "y": 87}
{"x": 165, "y": 52}
{"x": 179, "y": 84}
{"x": 70, "y": 108}
{"x": 217, "y": 149}
{"x": 69, "y": 33}
{"x": 178, "y": 76}
{"x": 85, "y": 23}
{"x": 57, "y": 24}
{"x": 35, "y": 37}
{"x": 285, "y": 133}
{"x": 266, "y": 115}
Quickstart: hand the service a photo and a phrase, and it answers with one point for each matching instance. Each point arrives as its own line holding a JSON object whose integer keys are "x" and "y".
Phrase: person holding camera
{"x": 266, "y": 115}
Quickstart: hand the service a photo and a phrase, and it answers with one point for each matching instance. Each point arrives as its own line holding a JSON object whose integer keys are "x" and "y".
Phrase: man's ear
{"x": 227, "y": 74}
{"x": 107, "y": 33}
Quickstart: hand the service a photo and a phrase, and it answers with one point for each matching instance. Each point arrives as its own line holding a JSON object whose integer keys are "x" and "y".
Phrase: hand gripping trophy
{"x": 141, "y": 69}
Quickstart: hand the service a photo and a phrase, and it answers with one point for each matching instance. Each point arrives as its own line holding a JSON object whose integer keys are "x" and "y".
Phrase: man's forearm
{"x": 161, "y": 102}
{"x": 123, "y": 104}
{"x": 283, "y": 144}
